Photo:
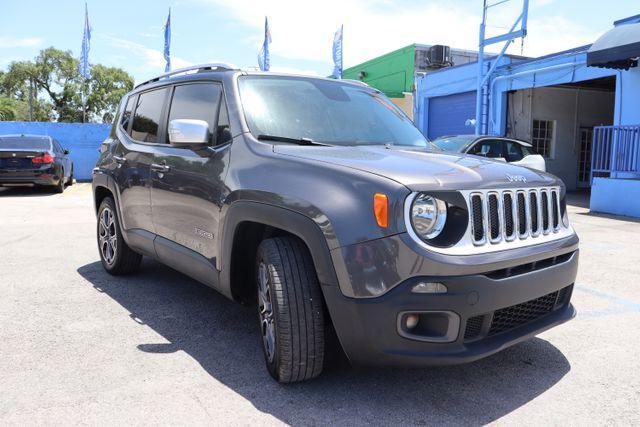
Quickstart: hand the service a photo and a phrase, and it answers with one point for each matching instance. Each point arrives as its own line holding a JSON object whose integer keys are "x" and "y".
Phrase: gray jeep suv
{"x": 319, "y": 202}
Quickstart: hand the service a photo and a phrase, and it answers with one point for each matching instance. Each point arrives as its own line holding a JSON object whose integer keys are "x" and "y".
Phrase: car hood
{"x": 421, "y": 169}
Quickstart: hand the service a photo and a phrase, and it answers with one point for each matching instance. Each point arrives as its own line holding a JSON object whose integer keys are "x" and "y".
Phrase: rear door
{"x": 188, "y": 185}
{"x": 140, "y": 131}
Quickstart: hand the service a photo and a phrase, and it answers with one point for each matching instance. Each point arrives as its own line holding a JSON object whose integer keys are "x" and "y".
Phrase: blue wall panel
{"x": 81, "y": 139}
{"x": 447, "y": 114}
{"x": 607, "y": 194}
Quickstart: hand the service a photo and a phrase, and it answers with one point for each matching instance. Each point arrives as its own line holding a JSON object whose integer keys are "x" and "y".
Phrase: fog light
{"x": 429, "y": 288}
{"x": 411, "y": 321}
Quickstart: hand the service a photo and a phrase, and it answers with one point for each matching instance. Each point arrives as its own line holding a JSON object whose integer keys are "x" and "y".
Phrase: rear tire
{"x": 60, "y": 187}
{"x": 116, "y": 256}
{"x": 290, "y": 310}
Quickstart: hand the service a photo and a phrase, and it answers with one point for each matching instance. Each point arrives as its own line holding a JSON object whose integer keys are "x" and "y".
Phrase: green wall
{"x": 391, "y": 73}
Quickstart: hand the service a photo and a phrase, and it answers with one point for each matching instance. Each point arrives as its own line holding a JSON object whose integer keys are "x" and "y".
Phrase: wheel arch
{"x": 247, "y": 224}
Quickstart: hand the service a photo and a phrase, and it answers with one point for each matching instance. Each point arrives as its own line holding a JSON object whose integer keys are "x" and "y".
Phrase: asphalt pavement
{"x": 81, "y": 347}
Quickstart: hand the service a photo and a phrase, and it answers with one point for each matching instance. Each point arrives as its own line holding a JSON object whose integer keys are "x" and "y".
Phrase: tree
{"x": 55, "y": 79}
{"x": 108, "y": 86}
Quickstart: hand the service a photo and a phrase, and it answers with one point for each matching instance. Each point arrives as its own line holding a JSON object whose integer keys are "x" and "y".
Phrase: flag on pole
{"x": 337, "y": 53}
{"x": 167, "y": 43}
{"x": 263, "y": 57}
{"x": 83, "y": 68}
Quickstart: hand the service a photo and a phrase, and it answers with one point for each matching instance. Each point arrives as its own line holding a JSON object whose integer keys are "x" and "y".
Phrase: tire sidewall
{"x": 272, "y": 365}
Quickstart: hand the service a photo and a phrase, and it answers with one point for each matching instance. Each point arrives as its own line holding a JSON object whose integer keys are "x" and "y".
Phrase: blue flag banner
{"x": 83, "y": 68}
{"x": 263, "y": 57}
{"x": 337, "y": 53}
{"x": 167, "y": 43}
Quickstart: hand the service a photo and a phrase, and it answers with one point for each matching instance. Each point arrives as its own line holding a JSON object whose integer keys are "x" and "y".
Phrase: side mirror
{"x": 187, "y": 132}
{"x": 65, "y": 151}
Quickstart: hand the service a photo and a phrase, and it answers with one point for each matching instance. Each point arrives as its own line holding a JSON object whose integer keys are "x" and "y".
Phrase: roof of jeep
{"x": 198, "y": 72}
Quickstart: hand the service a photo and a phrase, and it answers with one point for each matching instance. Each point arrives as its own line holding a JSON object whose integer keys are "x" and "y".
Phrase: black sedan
{"x": 34, "y": 160}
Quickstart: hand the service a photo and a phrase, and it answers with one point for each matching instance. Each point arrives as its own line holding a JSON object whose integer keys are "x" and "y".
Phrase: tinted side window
{"x": 126, "y": 114}
{"x": 488, "y": 148}
{"x": 513, "y": 151}
{"x": 56, "y": 146}
{"x": 223, "y": 134}
{"x": 198, "y": 101}
{"x": 146, "y": 119}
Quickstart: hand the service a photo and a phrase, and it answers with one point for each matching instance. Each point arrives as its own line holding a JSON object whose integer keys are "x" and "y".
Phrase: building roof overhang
{"x": 618, "y": 48}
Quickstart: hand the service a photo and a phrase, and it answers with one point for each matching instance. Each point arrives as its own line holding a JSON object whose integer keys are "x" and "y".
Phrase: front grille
{"x": 474, "y": 325}
{"x": 505, "y": 273}
{"x": 520, "y": 314}
{"x": 505, "y": 215}
{"x": 508, "y": 318}
{"x": 478, "y": 228}
{"x": 533, "y": 206}
{"x": 507, "y": 201}
{"x": 522, "y": 214}
{"x": 494, "y": 217}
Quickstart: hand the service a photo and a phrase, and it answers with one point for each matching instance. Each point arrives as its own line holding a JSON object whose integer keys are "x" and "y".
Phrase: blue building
{"x": 579, "y": 108}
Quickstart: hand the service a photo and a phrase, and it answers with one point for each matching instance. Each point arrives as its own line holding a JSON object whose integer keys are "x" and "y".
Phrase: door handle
{"x": 120, "y": 160}
{"x": 160, "y": 168}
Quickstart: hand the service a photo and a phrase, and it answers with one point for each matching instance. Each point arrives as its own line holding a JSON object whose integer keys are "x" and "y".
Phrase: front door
{"x": 188, "y": 184}
{"x": 584, "y": 158}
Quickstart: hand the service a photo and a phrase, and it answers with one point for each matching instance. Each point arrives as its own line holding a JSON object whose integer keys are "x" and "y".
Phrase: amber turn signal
{"x": 381, "y": 209}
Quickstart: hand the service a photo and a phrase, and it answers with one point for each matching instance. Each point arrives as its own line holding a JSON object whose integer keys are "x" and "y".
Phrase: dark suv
{"x": 319, "y": 202}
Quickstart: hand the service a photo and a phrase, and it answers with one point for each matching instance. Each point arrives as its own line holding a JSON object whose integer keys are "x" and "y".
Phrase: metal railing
{"x": 615, "y": 152}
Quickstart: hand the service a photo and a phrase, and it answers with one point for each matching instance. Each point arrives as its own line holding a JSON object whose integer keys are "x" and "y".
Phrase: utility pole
{"x": 30, "y": 99}
{"x": 484, "y": 87}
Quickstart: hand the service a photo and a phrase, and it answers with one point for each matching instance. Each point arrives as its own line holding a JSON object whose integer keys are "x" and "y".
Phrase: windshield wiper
{"x": 299, "y": 141}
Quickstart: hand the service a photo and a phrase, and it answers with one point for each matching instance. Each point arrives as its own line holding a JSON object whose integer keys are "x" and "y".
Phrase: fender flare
{"x": 285, "y": 219}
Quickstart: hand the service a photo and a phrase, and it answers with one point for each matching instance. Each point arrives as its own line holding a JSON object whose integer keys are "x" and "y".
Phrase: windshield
{"x": 453, "y": 143}
{"x": 330, "y": 112}
{"x": 24, "y": 143}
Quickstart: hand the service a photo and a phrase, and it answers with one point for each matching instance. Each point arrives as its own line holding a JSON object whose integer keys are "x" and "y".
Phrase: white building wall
{"x": 570, "y": 109}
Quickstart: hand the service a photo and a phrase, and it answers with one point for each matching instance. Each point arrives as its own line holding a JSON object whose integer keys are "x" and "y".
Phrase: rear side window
{"x": 488, "y": 148}
{"x": 198, "y": 101}
{"x": 146, "y": 119}
{"x": 57, "y": 147}
{"x": 126, "y": 114}
{"x": 514, "y": 151}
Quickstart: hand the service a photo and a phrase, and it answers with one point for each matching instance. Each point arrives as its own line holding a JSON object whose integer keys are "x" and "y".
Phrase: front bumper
{"x": 369, "y": 330}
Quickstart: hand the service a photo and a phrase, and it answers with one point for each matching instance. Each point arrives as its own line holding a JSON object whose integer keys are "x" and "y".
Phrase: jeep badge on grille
{"x": 516, "y": 178}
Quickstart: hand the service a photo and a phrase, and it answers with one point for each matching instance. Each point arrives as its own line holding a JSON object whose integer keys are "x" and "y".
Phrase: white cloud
{"x": 8, "y": 42}
{"x": 304, "y": 30}
{"x": 151, "y": 60}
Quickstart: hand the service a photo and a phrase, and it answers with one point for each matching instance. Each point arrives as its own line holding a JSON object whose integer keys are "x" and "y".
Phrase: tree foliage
{"x": 58, "y": 88}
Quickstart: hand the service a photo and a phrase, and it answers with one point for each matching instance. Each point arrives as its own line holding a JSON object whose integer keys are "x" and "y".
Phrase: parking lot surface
{"x": 82, "y": 347}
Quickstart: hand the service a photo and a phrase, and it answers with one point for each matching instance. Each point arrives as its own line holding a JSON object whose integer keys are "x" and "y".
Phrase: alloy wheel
{"x": 265, "y": 307}
{"x": 107, "y": 236}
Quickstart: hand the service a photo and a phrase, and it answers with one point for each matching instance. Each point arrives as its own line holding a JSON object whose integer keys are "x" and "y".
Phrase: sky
{"x": 129, "y": 34}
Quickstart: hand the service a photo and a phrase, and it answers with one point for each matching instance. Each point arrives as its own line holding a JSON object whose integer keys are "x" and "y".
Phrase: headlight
{"x": 428, "y": 216}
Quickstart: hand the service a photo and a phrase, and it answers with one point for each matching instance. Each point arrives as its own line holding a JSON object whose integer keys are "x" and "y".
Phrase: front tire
{"x": 290, "y": 310}
{"x": 60, "y": 187}
{"x": 116, "y": 256}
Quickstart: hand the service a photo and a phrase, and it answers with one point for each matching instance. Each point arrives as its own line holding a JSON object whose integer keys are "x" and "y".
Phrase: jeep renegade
{"x": 319, "y": 202}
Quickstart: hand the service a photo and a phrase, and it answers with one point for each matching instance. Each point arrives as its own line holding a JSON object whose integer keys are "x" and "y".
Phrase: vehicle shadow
{"x": 223, "y": 338}
{"x": 26, "y": 191}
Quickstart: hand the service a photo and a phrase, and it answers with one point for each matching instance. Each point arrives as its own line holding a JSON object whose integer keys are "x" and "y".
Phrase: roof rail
{"x": 216, "y": 66}
{"x": 360, "y": 82}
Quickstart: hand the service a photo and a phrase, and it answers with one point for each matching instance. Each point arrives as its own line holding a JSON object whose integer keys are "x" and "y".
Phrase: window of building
{"x": 542, "y": 138}
{"x": 198, "y": 101}
{"x": 146, "y": 119}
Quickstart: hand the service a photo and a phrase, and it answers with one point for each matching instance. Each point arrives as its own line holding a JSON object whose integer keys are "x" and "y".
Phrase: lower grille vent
{"x": 520, "y": 314}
